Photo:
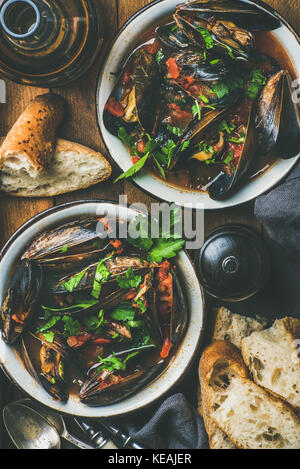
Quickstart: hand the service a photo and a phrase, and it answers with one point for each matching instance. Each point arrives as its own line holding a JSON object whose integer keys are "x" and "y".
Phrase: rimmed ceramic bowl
{"x": 128, "y": 38}
{"x": 9, "y": 359}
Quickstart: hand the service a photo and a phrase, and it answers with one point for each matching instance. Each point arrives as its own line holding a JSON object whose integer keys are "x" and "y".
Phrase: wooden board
{"x": 80, "y": 97}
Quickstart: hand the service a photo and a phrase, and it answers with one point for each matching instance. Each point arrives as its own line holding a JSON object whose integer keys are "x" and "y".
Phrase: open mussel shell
{"x": 69, "y": 246}
{"x": 174, "y": 324}
{"x": 226, "y": 25}
{"x": 51, "y": 371}
{"x": 93, "y": 393}
{"x": 278, "y": 120}
{"x": 194, "y": 129}
{"x": 18, "y": 306}
{"x": 117, "y": 266}
{"x": 242, "y": 14}
{"x": 200, "y": 66}
{"x": 134, "y": 100}
{"x": 172, "y": 36}
{"x": 223, "y": 185}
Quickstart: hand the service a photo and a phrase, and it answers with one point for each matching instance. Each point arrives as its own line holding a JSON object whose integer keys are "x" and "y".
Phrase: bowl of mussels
{"x": 97, "y": 319}
{"x": 196, "y": 100}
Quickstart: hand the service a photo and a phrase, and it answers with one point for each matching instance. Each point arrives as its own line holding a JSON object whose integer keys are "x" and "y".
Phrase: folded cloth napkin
{"x": 279, "y": 212}
{"x": 174, "y": 424}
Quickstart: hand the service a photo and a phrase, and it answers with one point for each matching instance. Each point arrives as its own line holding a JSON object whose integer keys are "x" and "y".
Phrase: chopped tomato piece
{"x": 100, "y": 341}
{"x": 173, "y": 68}
{"x": 77, "y": 341}
{"x": 135, "y": 159}
{"x": 114, "y": 107}
{"x": 130, "y": 295}
{"x": 152, "y": 48}
{"x": 165, "y": 351}
{"x": 19, "y": 319}
{"x": 141, "y": 146}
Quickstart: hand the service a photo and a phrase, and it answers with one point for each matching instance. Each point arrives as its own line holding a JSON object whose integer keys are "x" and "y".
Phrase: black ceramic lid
{"x": 233, "y": 263}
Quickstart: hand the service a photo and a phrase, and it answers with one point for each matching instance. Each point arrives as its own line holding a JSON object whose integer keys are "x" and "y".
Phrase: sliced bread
{"x": 248, "y": 415}
{"x": 219, "y": 361}
{"x": 272, "y": 358}
{"x": 73, "y": 167}
{"x": 231, "y": 327}
{"x": 234, "y": 327}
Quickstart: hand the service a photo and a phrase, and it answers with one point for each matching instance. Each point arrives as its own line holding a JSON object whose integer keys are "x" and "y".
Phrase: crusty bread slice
{"x": 30, "y": 143}
{"x": 272, "y": 358}
{"x": 234, "y": 327}
{"x": 254, "y": 419}
{"x": 219, "y": 362}
{"x": 73, "y": 167}
{"x": 231, "y": 327}
{"x": 250, "y": 417}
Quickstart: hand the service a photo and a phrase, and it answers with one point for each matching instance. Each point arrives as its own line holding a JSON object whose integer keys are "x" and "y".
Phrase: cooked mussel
{"x": 235, "y": 157}
{"x": 52, "y": 359}
{"x": 172, "y": 36}
{"x": 278, "y": 120}
{"x": 106, "y": 387}
{"x": 18, "y": 306}
{"x": 195, "y": 65}
{"x": 167, "y": 314}
{"x": 133, "y": 103}
{"x": 83, "y": 281}
{"x": 242, "y": 14}
{"x": 224, "y": 25}
{"x": 69, "y": 246}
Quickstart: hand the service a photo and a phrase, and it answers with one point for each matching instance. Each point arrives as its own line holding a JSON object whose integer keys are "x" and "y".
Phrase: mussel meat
{"x": 52, "y": 359}
{"x": 133, "y": 103}
{"x": 18, "y": 307}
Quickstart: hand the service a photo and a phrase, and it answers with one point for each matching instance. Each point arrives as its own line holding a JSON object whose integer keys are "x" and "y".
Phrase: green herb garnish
{"x": 130, "y": 280}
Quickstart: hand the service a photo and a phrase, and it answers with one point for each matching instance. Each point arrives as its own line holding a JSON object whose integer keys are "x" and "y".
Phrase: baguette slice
{"x": 234, "y": 327}
{"x": 272, "y": 358}
{"x": 73, "y": 167}
{"x": 251, "y": 417}
{"x": 29, "y": 145}
{"x": 219, "y": 361}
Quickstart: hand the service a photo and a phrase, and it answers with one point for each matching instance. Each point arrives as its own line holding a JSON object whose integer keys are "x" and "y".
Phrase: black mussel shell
{"x": 90, "y": 395}
{"x": 277, "y": 120}
{"x": 172, "y": 36}
{"x": 18, "y": 307}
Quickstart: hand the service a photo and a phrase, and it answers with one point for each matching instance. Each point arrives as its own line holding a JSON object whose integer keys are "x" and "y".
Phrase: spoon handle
{"x": 97, "y": 437}
{"x": 76, "y": 442}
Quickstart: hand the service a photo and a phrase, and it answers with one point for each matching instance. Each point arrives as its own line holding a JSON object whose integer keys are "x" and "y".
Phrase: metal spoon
{"x": 57, "y": 421}
{"x": 28, "y": 429}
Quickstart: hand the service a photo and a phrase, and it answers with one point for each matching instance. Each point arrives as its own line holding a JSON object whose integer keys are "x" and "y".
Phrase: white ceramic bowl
{"x": 9, "y": 359}
{"x": 128, "y": 38}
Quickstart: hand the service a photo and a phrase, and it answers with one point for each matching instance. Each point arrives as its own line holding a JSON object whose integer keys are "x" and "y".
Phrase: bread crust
{"x": 33, "y": 134}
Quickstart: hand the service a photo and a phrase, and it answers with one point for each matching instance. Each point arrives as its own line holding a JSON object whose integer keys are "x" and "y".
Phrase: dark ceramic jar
{"x": 233, "y": 264}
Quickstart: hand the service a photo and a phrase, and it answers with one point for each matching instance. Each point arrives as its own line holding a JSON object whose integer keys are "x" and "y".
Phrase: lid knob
{"x": 233, "y": 263}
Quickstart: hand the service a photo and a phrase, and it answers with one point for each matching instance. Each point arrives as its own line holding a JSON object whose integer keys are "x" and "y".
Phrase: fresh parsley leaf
{"x": 175, "y": 130}
{"x": 49, "y": 336}
{"x": 142, "y": 228}
{"x": 196, "y": 109}
{"x": 129, "y": 280}
{"x": 74, "y": 281}
{"x": 159, "y": 56}
{"x": 93, "y": 324}
{"x": 102, "y": 275}
{"x": 209, "y": 42}
{"x": 123, "y": 312}
{"x": 64, "y": 249}
{"x": 71, "y": 326}
{"x": 134, "y": 169}
{"x": 165, "y": 249}
{"x": 229, "y": 158}
{"x": 258, "y": 81}
{"x": 51, "y": 323}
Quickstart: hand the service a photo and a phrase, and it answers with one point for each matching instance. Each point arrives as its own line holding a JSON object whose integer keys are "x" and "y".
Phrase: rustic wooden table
{"x": 80, "y": 97}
